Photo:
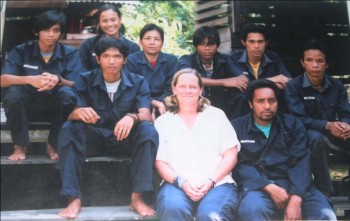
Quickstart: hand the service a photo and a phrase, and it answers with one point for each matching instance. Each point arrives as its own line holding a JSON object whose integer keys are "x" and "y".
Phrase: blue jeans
{"x": 257, "y": 206}
{"x": 220, "y": 203}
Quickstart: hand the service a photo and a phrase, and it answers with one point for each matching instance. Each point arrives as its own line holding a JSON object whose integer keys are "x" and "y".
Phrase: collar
{"x": 307, "y": 83}
{"x": 251, "y": 124}
{"x": 143, "y": 59}
{"x": 99, "y": 81}
{"x": 217, "y": 60}
{"x": 57, "y": 53}
{"x": 264, "y": 60}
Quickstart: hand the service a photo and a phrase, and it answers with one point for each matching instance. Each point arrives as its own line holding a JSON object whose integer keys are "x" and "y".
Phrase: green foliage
{"x": 175, "y": 17}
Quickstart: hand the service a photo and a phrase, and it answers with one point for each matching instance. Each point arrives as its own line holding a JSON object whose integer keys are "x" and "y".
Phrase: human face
{"x": 110, "y": 23}
{"x": 111, "y": 62}
{"x": 151, "y": 42}
{"x": 49, "y": 37}
{"x": 205, "y": 51}
{"x": 255, "y": 44}
{"x": 187, "y": 89}
{"x": 264, "y": 106}
{"x": 314, "y": 63}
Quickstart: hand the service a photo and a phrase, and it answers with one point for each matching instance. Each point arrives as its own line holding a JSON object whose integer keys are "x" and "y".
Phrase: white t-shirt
{"x": 194, "y": 153}
{"x": 112, "y": 88}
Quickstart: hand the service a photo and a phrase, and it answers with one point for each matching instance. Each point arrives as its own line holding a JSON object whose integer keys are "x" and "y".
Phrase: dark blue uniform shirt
{"x": 222, "y": 68}
{"x": 87, "y": 50}
{"x": 133, "y": 93}
{"x": 159, "y": 79}
{"x": 25, "y": 60}
{"x": 283, "y": 158}
{"x": 315, "y": 108}
{"x": 271, "y": 64}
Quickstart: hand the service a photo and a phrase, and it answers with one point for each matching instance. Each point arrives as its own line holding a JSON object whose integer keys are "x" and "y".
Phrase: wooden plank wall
{"x": 216, "y": 13}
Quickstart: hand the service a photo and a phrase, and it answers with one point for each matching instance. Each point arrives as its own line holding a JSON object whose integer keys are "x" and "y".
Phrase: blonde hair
{"x": 171, "y": 101}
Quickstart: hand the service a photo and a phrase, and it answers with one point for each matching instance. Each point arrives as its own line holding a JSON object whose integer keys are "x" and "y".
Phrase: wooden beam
{"x": 37, "y": 4}
{"x": 209, "y": 4}
{"x": 200, "y": 16}
{"x": 216, "y": 22}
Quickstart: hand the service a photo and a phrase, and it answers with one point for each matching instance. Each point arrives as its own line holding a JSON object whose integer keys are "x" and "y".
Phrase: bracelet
{"x": 134, "y": 117}
{"x": 179, "y": 181}
{"x": 212, "y": 180}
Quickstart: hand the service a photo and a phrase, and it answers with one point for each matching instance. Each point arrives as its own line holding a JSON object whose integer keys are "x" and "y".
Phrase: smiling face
{"x": 111, "y": 62}
{"x": 315, "y": 64}
{"x": 264, "y": 106}
{"x": 110, "y": 23}
{"x": 255, "y": 45}
{"x": 49, "y": 37}
{"x": 151, "y": 42}
{"x": 187, "y": 89}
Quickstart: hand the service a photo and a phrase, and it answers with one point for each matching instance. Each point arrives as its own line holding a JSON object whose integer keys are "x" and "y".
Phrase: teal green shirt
{"x": 264, "y": 129}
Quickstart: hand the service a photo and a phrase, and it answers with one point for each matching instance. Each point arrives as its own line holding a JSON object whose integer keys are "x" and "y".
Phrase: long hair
{"x": 171, "y": 101}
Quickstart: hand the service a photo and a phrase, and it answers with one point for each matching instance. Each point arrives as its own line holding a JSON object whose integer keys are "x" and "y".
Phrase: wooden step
{"x": 87, "y": 213}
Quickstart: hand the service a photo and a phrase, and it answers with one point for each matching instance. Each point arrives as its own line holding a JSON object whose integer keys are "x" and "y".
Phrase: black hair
{"x": 106, "y": 43}
{"x": 254, "y": 28}
{"x": 316, "y": 45}
{"x": 48, "y": 19}
{"x": 106, "y": 7}
{"x": 151, "y": 27}
{"x": 206, "y": 32}
{"x": 260, "y": 83}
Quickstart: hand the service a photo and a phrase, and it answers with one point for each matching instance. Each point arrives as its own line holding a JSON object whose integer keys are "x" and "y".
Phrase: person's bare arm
{"x": 123, "y": 127}
{"x": 85, "y": 114}
{"x": 239, "y": 82}
{"x": 293, "y": 210}
{"x": 280, "y": 80}
{"x": 278, "y": 195}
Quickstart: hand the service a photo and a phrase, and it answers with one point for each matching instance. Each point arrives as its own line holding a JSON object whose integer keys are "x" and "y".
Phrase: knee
{"x": 147, "y": 132}
{"x": 66, "y": 96}
{"x": 13, "y": 96}
{"x": 172, "y": 208}
{"x": 315, "y": 140}
{"x": 251, "y": 207}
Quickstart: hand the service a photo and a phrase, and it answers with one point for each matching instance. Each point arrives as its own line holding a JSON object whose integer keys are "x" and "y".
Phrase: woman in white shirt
{"x": 197, "y": 150}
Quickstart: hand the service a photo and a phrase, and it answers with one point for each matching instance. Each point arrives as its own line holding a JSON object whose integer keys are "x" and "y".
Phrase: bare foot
{"x": 51, "y": 152}
{"x": 72, "y": 210}
{"x": 19, "y": 153}
{"x": 139, "y": 206}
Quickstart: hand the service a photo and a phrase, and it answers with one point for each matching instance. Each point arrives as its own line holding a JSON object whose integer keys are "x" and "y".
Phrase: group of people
{"x": 213, "y": 125}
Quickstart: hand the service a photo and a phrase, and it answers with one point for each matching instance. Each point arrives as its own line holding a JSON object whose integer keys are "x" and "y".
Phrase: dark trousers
{"x": 75, "y": 137}
{"x": 320, "y": 144}
{"x": 23, "y": 104}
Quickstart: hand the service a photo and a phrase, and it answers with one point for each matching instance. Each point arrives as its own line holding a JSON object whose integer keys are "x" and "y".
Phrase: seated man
{"x": 223, "y": 81}
{"x": 273, "y": 169}
{"x": 113, "y": 112}
{"x": 256, "y": 62}
{"x": 322, "y": 104}
{"x": 156, "y": 66}
{"x": 39, "y": 75}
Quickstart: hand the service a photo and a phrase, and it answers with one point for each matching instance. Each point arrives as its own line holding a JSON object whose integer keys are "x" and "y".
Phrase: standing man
{"x": 39, "y": 75}
{"x": 256, "y": 62}
{"x": 113, "y": 111}
{"x": 322, "y": 104}
{"x": 223, "y": 81}
{"x": 273, "y": 169}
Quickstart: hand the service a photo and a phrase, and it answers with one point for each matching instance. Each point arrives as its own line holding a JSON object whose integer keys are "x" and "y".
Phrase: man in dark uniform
{"x": 273, "y": 169}
{"x": 113, "y": 111}
{"x": 223, "y": 81}
{"x": 39, "y": 75}
{"x": 256, "y": 62}
{"x": 322, "y": 104}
